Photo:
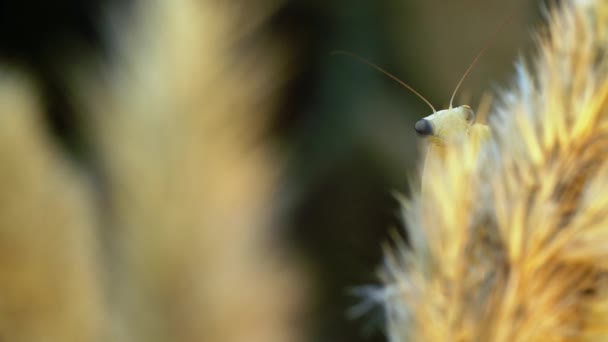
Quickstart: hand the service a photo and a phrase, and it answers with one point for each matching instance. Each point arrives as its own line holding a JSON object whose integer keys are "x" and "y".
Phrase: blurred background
{"x": 344, "y": 131}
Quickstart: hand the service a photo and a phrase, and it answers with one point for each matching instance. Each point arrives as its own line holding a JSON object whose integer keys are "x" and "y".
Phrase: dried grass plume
{"x": 511, "y": 244}
{"x": 172, "y": 237}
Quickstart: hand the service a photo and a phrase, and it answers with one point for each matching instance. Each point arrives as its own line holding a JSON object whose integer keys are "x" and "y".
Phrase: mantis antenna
{"x": 479, "y": 54}
{"x": 394, "y": 78}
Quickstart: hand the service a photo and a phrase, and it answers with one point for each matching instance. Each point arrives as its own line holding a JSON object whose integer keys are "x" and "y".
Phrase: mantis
{"x": 445, "y": 127}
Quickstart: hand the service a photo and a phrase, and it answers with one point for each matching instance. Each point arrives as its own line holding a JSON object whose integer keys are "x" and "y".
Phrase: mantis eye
{"x": 423, "y": 127}
{"x": 469, "y": 114}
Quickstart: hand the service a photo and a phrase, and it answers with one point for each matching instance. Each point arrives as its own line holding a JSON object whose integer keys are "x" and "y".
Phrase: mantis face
{"x": 451, "y": 126}
{"x": 446, "y": 126}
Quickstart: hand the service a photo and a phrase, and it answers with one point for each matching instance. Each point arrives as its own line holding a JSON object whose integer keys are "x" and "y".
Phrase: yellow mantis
{"x": 444, "y": 127}
{"x": 447, "y": 126}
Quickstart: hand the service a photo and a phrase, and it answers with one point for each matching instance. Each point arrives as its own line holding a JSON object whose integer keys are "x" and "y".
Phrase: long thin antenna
{"x": 479, "y": 54}
{"x": 394, "y": 78}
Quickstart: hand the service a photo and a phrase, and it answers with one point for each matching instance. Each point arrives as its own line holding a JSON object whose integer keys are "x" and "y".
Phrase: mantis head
{"x": 446, "y": 126}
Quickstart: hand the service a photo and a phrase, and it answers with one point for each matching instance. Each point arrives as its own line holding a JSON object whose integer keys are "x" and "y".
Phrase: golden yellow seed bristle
{"x": 509, "y": 243}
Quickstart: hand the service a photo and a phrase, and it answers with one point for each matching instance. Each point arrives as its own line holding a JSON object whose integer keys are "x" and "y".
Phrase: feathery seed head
{"x": 509, "y": 241}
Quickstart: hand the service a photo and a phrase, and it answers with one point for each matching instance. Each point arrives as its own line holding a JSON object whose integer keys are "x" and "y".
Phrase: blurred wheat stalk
{"x": 176, "y": 124}
{"x": 512, "y": 244}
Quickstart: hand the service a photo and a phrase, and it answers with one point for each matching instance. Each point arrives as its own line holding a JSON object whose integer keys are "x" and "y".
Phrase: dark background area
{"x": 345, "y": 129}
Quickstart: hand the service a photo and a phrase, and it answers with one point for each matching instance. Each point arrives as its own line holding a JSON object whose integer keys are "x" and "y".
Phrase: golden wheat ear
{"x": 508, "y": 242}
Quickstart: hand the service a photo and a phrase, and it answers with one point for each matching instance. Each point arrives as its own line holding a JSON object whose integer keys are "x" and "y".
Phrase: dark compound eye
{"x": 423, "y": 127}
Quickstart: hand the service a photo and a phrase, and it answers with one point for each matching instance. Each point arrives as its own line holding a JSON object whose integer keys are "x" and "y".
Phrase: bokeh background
{"x": 344, "y": 131}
